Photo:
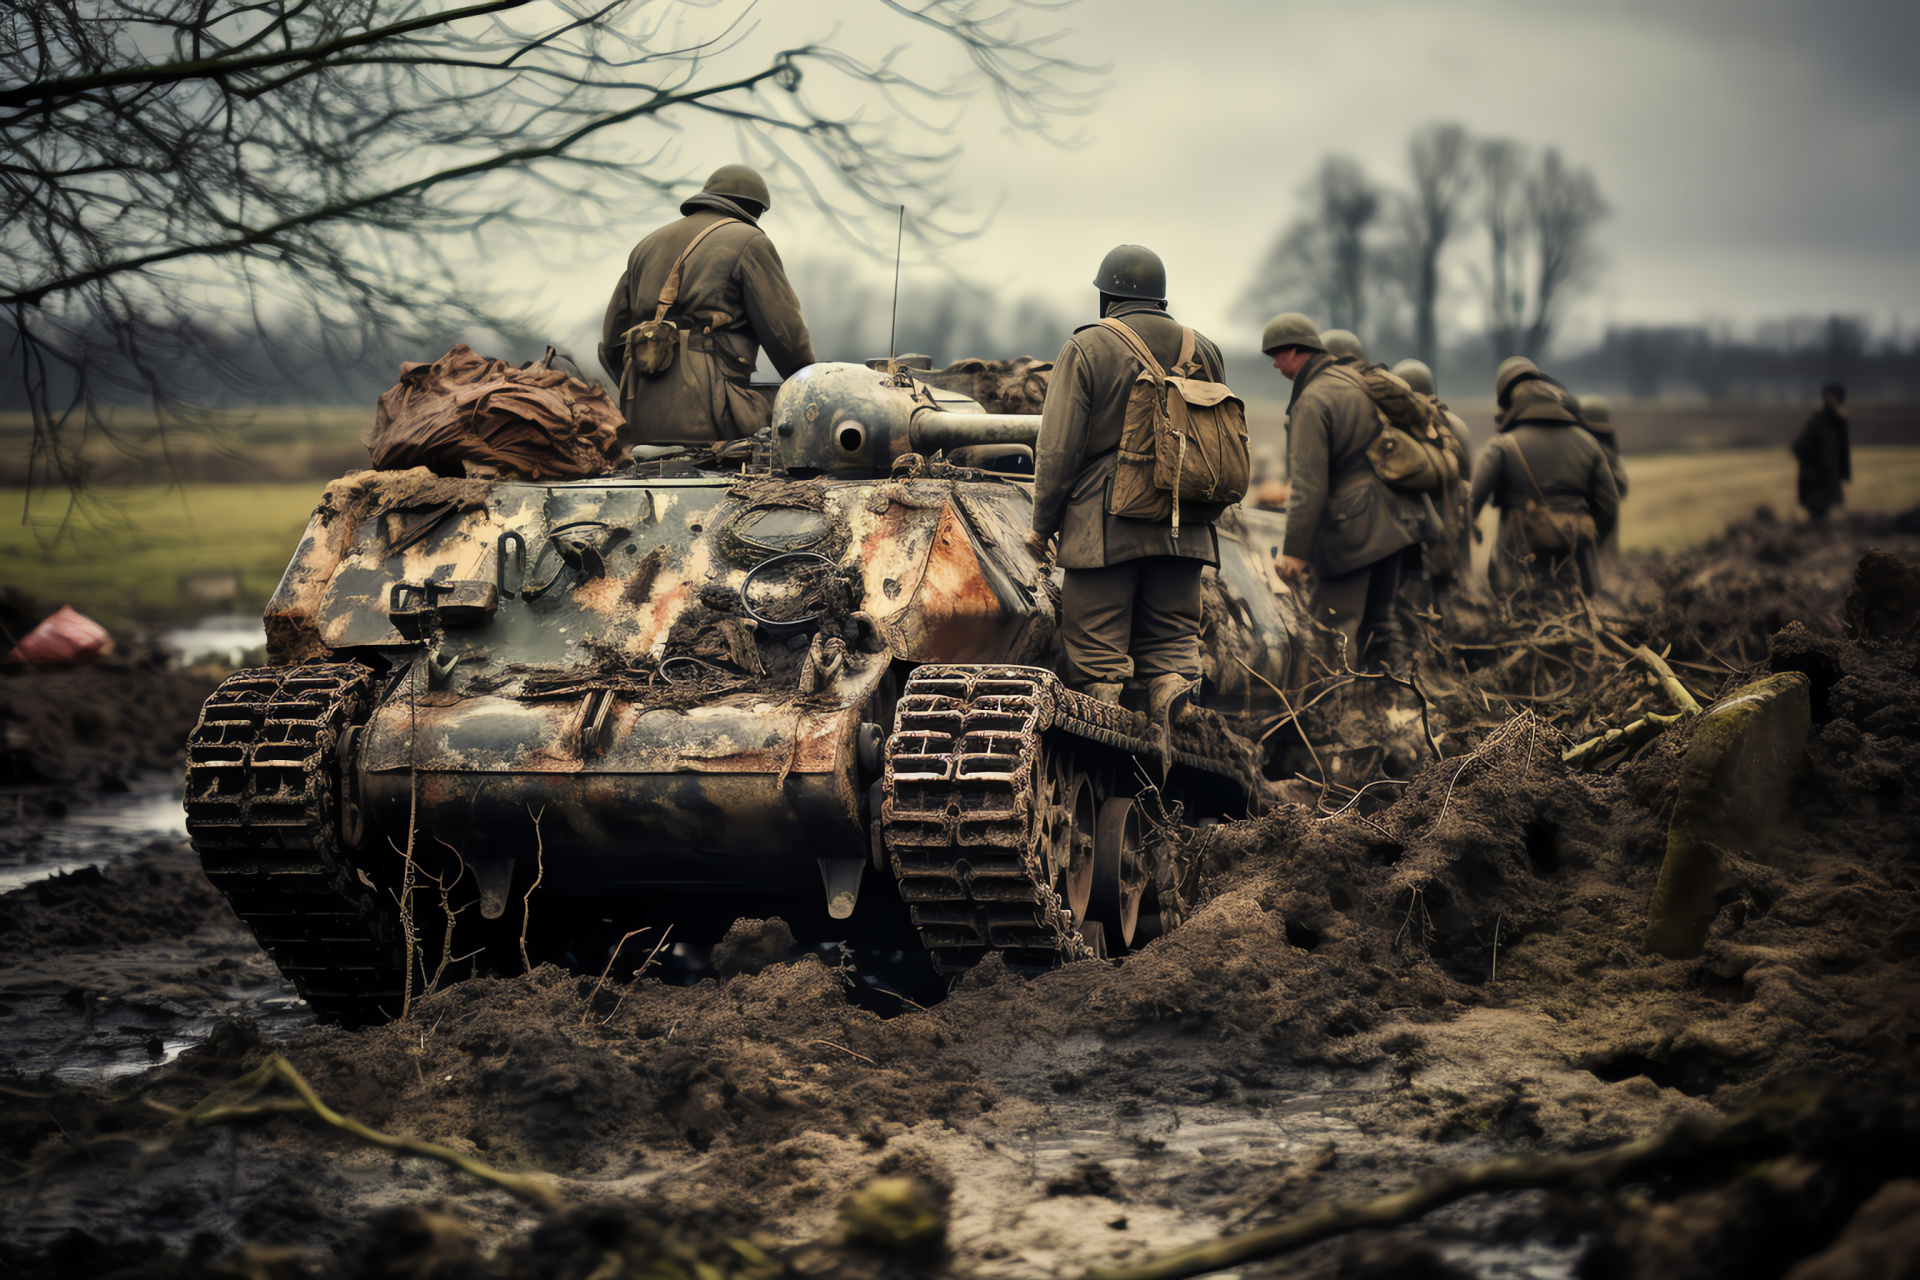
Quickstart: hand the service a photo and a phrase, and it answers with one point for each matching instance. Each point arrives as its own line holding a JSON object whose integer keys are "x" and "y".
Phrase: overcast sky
{"x": 1761, "y": 157}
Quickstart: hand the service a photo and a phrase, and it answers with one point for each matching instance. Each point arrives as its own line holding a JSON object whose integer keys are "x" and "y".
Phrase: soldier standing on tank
{"x": 1543, "y": 457}
{"x": 1826, "y": 460}
{"x": 734, "y": 299}
{"x": 1448, "y": 557}
{"x": 1344, "y": 525}
{"x": 1130, "y": 599}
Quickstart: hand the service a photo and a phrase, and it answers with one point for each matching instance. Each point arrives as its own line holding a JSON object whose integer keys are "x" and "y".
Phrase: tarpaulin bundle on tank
{"x": 467, "y": 414}
{"x": 1001, "y": 386}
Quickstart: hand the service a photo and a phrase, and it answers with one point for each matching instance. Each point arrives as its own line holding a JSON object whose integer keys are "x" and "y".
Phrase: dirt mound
{"x": 156, "y": 893}
{"x": 93, "y": 728}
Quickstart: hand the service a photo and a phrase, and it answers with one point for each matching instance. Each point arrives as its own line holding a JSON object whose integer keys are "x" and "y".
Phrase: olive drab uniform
{"x": 1130, "y": 602}
{"x": 734, "y": 299}
{"x": 1342, "y": 518}
{"x": 1449, "y": 557}
{"x": 1543, "y": 457}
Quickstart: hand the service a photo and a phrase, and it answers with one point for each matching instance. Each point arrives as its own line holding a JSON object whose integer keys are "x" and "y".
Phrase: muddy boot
{"x": 1166, "y": 698}
{"x": 1103, "y": 691}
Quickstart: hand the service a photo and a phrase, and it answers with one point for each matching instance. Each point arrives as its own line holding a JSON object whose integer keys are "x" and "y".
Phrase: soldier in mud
{"x": 733, "y": 299}
{"x": 1130, "y": 602}
{"x": 1345, "y": 527}
{"x": 1553, "y": 485}
{"x": 1826, "y": 460}
{"x": 1448, "y": 556}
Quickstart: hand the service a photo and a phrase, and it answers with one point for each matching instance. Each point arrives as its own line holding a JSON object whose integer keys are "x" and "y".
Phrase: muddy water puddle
{"x": 102, "y": 995}
{"x": 94, "y": 831}
{"x": 1120, "y": 1168}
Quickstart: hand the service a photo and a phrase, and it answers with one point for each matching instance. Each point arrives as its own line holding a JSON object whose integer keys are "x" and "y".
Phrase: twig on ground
{"x": 276, "y": 1068}
{"x": 539, "y": 874}
{"x": 605, "y": 971}
{"x": 1597, "y": 1170}
{"x": 850, "y": 1053}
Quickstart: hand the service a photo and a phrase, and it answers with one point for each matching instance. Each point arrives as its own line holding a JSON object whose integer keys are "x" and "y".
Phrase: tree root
{"x": 216, "y": 1111}
{"x": 1643, "y": 730}
{"x": 1595, "y": 1171}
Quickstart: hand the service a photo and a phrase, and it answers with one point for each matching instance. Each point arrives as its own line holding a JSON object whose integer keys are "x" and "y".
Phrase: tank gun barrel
{"x": 931, "y": 429}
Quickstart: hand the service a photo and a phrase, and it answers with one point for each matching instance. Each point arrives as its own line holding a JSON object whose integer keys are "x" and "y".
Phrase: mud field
{"x": 1446, "y": 970}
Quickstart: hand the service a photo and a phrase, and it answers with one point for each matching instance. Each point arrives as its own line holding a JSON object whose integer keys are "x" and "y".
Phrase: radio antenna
{"x": 893, "y": 327}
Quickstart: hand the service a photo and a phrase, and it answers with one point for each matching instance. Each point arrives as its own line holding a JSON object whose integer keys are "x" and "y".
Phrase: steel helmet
{"x": 1416, "y": 375}
{"x": 1290, "y": 330}
{"x": 1132, "y": 271}
{"x": 1344, "y": 344}
{"x": 738, "y": 182}
{"x": 1512, "y": 370}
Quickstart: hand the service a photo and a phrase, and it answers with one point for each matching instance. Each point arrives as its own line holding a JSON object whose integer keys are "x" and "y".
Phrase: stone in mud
{"x": 1733, "y": 785}
{"x": 898, "y": 1215}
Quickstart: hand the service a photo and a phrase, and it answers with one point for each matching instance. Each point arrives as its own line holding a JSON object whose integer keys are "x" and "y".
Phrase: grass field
{"x": 124, "y": 559}
{"x": 1679, "y": 500}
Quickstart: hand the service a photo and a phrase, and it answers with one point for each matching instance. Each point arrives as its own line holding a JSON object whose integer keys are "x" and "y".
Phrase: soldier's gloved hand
{"x": 1294, "y": 569}
{"x": 1041, "y": 544}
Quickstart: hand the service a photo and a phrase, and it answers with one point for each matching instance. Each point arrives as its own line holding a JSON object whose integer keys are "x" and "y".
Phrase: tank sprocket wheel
{"x": 264, "y": 801}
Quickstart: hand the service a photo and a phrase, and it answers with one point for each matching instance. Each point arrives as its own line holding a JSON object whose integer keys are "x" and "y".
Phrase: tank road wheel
{"x": 1076, "y": 873}
{"x": 1120, "y": 871}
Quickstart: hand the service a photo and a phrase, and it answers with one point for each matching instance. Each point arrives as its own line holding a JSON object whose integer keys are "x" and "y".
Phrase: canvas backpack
{"x": 1183, "y": 438}
{"x": 1416, "y": 451}
{"x": 652, "y": 344}
{"x": 1548, "y": 532}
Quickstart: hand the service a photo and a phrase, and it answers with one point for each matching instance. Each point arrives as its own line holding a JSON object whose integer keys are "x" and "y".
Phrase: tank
{"x": 812, "y": 676}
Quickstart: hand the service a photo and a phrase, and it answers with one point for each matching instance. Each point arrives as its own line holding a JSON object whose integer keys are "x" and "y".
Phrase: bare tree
{"x": 1563, "y": 206}
{"x": 1503, "y": 200}
{"x": 168, "y": 161}
{"x": 1322, "y": 260}
{"x": 1441, "y": 161}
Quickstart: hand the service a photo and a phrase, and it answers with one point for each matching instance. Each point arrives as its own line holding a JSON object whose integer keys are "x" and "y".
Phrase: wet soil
{"x": 1441, "y": 973}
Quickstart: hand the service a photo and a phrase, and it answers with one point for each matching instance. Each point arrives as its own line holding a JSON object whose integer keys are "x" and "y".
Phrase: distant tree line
{"x": 1780, "y": 360}
{"x": 1373, "y": 258}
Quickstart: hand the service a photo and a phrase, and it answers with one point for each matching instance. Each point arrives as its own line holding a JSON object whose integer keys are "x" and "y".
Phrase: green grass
{"x": 122, "y": 558}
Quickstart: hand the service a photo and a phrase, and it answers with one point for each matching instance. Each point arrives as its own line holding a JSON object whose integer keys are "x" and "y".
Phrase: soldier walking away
{"x": 1826, "y": 460}
{"x": 1554, "y": 487}
{"x": 1448, "y": 557}
{"x": 1596, "y": 415}
{"x": 1344, "y": 525}
{"x": 716, "y": 284}
{"x": 1344, "y": 345}
{"x": 1130, "y": 599}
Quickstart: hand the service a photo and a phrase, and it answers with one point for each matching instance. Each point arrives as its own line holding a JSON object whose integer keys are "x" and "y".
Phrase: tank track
{"x": 264, "y": 815}
{"x": 961, "y": 820}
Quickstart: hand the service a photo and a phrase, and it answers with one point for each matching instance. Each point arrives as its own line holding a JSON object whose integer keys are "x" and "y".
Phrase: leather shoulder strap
{"x": 1138, "y": 347}
{"x": 671, "y": 294}
{"x": 1521, "y": 454}
{"x": 1185, "y": 359}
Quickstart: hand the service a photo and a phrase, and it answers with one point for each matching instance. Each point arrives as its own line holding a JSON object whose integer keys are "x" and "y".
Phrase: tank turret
{"x": 850, "y": 420}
